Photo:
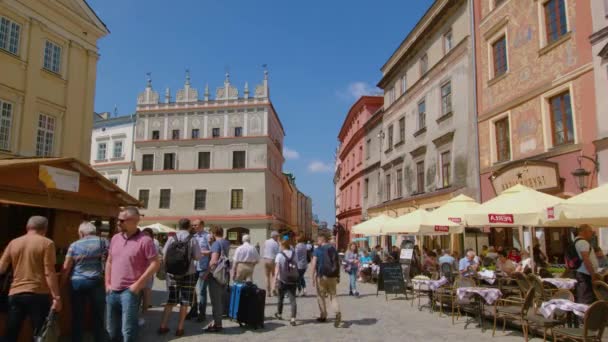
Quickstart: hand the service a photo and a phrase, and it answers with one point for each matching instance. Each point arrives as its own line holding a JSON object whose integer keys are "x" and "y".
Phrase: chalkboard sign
{"x": 390, "y": 279}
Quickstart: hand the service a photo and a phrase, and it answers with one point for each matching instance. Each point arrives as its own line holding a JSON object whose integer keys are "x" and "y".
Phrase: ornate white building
{"x": 219, "y": 159}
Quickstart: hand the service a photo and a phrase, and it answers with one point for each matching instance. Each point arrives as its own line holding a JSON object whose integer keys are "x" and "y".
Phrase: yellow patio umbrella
{"x": 515, "y": 207}
{"x": 421, "y": 222}
{"x": 373, "y": 226}
{"x": 589, "y": 207}
{"x": 455, "y": 208}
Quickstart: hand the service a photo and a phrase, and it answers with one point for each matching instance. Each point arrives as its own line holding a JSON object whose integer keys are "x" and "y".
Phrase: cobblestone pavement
{"x": 367, "y": 318}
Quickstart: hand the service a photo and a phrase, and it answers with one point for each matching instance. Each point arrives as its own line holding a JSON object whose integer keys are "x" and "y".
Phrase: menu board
{"x": 390, "y": 279}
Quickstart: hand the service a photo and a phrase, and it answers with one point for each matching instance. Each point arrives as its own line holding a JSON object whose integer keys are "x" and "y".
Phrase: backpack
{"x": 288, "y": 270}
{"x": 572, "y": 259}
{"x": 178, "y": 257}
{"x": 329, "y": 263}
{"x": 221, "y": 273}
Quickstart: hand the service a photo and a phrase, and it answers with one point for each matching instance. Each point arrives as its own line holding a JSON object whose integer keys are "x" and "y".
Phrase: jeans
{"x": 301, "y": 280}
{"x": 23, "y": 305}
{"x": 88, "y": 290}
{"x": 288, "y": 290}
{"x": 217, "y": 293}
{"x": 123, "y": 310}
{"x": 352, "y": 275}
{"x": 201, "y": 292}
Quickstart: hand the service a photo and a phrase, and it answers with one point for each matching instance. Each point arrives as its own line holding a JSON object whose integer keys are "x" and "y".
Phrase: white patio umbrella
{"x": 373, "y": 226}
{"x": 588, "y": 207}
{"x": 455, "y": 208}
{"x": 159, "y": 228}
{"x": 421, "y": 222}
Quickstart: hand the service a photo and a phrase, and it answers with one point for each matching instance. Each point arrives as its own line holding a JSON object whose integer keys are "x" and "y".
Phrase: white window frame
{"x": 447, "y": 49}
{"x": 415, "y": 161}
{"x": 404, "y": 83}
{"x": 116, "y": 143}
{"x": 546, "y": 114}
{"x": 194, "y": 199}
{"x": 6, "y": 124}
{"x": 441, "y": 150}
{"x": 47, "y": 147}
{"x": 542, "y": 32}
{"x": 232, "y": 160}
{"x": 230, "y": 198}
{"x": 420, "y": 61}
{"x": 489, "y": 44}
{"x": 493, "y": 151}
{"x": 149, "y": 196}
{"x": 443, "y": 84}
{"x": 11, "y": 24}
{"x": 99, "y": 149}
{"x": 388, "y": 186}
{"x": 422, "y": 100}
{"x": 153, "y": 161}
{"x": 159, "y": 198}
{"x": 399, "y": 190}
{"x": 198, "y": 159}
{"x": 54, "y": 65}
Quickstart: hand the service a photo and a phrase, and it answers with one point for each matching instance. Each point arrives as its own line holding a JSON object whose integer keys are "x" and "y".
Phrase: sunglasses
{"x": 123, "y": 221}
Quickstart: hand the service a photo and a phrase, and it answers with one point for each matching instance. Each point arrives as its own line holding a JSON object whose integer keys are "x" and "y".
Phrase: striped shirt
{"x": 87, "y": 254}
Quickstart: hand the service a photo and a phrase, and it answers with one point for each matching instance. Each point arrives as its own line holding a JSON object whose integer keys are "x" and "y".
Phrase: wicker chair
{"x": 447, "y": 271}
{"x": 600, "y": 289}
{"x": 514, "y": 310}
{"x": 557, "y": 319}
{"x": 541, "y": 293}
{"x": 522, "y": 283}
{"x": 563, "y": 294}
{"x": 593, "y": 325}
{"x": 458, "y": 304}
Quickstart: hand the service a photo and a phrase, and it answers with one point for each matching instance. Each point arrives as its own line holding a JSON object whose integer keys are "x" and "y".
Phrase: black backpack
{"x": 571, "y": 258}
{"x": 329, "y": 263}
{"x": 288, "y": 271}
{"x": 178, "y": 257}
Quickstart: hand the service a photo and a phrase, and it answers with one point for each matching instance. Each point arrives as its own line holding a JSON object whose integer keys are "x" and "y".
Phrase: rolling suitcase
{"x": 235, "y": 300}
{"x": 251, "y": 307}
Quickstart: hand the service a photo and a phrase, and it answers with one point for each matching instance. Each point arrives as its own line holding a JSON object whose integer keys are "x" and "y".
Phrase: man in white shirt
{"x": 589, "y": 265}
{"x": 245, "y": 259}
{"x": 271, "y": 249}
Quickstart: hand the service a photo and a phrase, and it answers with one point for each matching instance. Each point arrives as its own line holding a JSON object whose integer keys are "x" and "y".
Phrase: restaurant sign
{"x": 455, "y": 219}
{"x": 442, "y": 229}
{"x": 60, "y": 179}
{"x": 501, "y": 218}
{"x": 535, "y": 174}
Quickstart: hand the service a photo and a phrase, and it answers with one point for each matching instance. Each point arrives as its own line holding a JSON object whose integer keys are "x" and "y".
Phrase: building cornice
{"x": 195, "y": 171}
{"x": 355, "y": 109}
{"x": 598, "y": 35}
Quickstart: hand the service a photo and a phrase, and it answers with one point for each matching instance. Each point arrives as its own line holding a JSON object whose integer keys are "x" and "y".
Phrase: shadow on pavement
{"x": 363, "y": 321}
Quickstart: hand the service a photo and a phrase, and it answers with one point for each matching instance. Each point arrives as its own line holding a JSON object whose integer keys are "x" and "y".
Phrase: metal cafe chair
{"x": 594, "y": 324}
{"x": 600, "y": 289}
{"x": 458, "y": 304}
{"x": 514, "y": 310}
{"x": 559, "y": 318}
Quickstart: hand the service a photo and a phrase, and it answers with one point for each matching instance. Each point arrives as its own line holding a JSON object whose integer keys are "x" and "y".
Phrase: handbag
{"x": 49, "y": 331}
{"x": 221, "y": 273}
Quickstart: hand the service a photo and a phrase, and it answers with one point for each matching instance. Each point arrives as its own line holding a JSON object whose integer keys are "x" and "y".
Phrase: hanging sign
{"x": 60, "y": 179}
{"x": 442, "y": 229}
{"x": 501, "y": 218}
{"x": 535, "y": 174}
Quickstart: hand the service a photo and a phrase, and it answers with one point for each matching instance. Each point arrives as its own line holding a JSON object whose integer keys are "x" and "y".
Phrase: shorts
{"x": 181, "y": 289}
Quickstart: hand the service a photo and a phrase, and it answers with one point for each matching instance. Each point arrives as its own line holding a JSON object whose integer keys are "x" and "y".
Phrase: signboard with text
{"x": 60, "y": 179}
{"x": 501, "y": 218}
{"x": 538, "y": 175}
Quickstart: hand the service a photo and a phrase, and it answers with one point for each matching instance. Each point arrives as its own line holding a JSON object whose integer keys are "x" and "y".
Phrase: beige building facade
{"x": 48, "y": 67}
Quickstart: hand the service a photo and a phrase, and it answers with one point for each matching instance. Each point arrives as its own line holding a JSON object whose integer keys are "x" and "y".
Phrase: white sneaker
{"x": 141, "y": 322}
{"x": 303, "y": 293}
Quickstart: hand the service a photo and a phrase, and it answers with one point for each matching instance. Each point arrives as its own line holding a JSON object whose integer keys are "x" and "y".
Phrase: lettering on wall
{"x": 538, "y": 175}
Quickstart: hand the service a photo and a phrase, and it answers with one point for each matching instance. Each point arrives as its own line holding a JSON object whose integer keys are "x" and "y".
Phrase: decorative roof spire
{"x": 227, "y": 80}
{"x": 187, "y": 77}
{"x": 149, "y": 82}
{"x": 167, "y": 95}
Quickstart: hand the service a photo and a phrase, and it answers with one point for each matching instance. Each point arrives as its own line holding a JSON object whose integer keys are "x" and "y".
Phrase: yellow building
{"x": 48, "y": 67}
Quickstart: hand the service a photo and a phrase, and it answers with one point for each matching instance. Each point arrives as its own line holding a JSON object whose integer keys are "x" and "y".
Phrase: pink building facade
{"x": 349, "y": 174}
{"x": 535, "y": 100}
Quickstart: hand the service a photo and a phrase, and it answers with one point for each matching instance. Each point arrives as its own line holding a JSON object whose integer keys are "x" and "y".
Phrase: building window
{"x": 165, "y": 199}
{"x": 448, "y": 41}
{"x": 147, "y": 162}
{"x": 403, "y": 83}
{"x": 144, "y": 197}
{"x": 204, "y": 160}
{"x": 446, "y": 98}
{"x": 9, "y": 35}
{"x": 388, "y": 187}
{"x": 200, "y": 199}
{"x": 368, "y": 148}
{"x": 503, "y": 140}
{"x": 114, "y": 180}
{"x": 117, "y": 152}
{"x": 391, "y": 95}
{"x": 421, "y": 115}
{"x": 45, "y": 136}
{"x": 238, "y": 131}
{"x": 555, "y": 20}
{"x": 101, "y": 151}
{"x": 562, "y": 126}
{"x": 155, "y": 135}
{"x": 399, "y": 183}
{"x": 424, "y": 64}
{"x": 499, "y": 54}
{"x": 420, "y": 177}
{"x": 6, "y": 119}
{"x": 215, "y": 132}
{"x": 402, "y": 130}
{"x": 390, "y": 136}
{"x": 238, "y": 159}
{"x": 195, "y": 133}
{"x": 446, "y": 166}
{"x": 52, "y": 57}
{"x": 236, "y": 199}
{"x": 366, "y": 187}
{"x": 169, "y": 161}
{"x": 175, "y": 134}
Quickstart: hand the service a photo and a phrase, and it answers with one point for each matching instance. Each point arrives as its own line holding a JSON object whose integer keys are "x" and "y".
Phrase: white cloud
{"x": 320, "y": 167}
{"x": 357, "y": 89}
{"x": 290, "y": 154}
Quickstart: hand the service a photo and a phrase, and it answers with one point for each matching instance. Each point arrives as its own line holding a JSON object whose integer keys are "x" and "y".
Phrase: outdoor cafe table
{"x": 547, "y": 308}
{"x": 483, "y": 295}
{"x": 431, "y": 286}
{"x": 561, "y": 283}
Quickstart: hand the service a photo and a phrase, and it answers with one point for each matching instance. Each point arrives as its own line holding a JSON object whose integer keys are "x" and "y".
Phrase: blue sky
{"x": 321, "y": 56}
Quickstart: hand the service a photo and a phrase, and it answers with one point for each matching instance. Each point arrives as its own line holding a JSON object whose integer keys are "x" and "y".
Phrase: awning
{"x": 373, "y": 226}
{"x": 159, "y": 228}
{"x": 422, "y": 222}
{"x": 455, "y": 208}
{"x": 586, "y": 208}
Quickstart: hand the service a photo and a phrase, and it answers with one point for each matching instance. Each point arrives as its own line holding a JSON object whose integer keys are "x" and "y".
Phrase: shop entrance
{"x": 13, "y": 219}
{"x": 235, "y": 235}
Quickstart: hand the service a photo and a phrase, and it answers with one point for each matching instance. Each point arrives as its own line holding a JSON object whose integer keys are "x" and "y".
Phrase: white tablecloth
{"x": 489, "y": 295}
{"x": 547, "y": 308}
{"x": 561, "y": 283}
{"x": 487, "y": 276}
{"x": 433, "y": 285}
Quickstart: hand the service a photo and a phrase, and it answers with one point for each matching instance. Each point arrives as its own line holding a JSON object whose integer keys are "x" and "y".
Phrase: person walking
{"x": 217, "y": 289}
{"x": 244, "y": 261}
{"x": 132, "y": 261}
{"x": 326, "y": 276}
{"x": 83, "y": 267}
{"x": 181, "y": 253}
{"x": 286, "y": 278}
{"x": 34, "y": 290}
{"x": 302, "y": 262}
{"x": 589, "y": 265}
{"x": 271, "y": 249}
{"x": 351, "y": 258}
{"x": 203, "y": 238}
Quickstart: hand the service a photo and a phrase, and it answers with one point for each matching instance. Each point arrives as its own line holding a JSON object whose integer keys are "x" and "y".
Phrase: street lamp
{"x": 581, "y": 175}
